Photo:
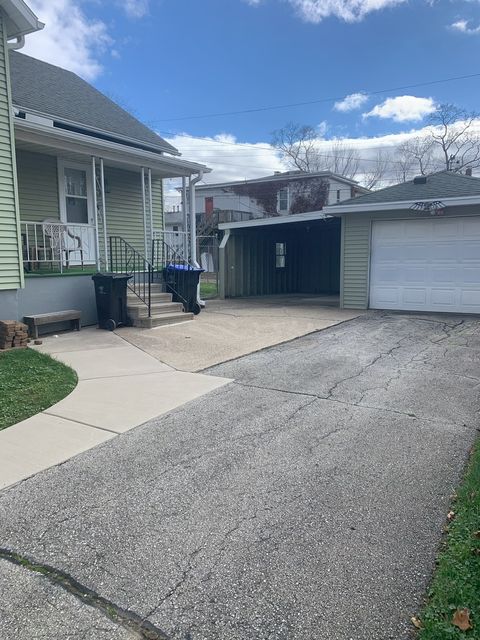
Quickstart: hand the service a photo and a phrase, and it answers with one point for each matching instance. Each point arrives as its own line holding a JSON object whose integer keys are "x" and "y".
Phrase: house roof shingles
{"x": 64, "y": 96}
{"x": 444, "y": 184}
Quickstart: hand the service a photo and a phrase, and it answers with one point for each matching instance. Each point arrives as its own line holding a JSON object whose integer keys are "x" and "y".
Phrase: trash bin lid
{"x": 184, "y": 267}
{"x": 111, "y": 275}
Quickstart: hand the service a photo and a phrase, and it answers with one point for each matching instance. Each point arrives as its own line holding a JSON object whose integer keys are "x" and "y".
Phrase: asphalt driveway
{"x": 304, "y": 501}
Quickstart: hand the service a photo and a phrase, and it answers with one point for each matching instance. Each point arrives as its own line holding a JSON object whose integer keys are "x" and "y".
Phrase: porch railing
{"x": 179, "y": 241}
{"x": 126, "y": 259}
{"x": 56, "y": 246}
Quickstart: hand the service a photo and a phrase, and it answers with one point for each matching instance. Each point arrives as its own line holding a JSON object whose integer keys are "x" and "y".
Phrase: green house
{"x": 77, "y": 171}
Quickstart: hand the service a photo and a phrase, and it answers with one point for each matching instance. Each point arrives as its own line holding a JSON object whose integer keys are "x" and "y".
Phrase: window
{"x": 280, "y": 254}
{"x": 76, "y": 195}
{"x": 338, "y": 195}
{"x": 282, "y": 199}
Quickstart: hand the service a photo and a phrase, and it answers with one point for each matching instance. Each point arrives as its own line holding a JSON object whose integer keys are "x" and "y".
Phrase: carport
{"x": 281, "y": 255}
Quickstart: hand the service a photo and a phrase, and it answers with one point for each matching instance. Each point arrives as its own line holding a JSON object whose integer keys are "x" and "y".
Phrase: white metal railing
{"x": 52, "y": 244}
{"x": 179, "y": 241}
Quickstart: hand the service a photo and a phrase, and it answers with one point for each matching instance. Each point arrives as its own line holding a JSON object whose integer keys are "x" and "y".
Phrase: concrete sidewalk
{"x": 119, "y": 387}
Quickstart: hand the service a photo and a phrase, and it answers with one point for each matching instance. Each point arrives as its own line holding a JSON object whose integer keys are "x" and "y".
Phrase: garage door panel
{"x": 471, "y": 298}
{"x": 414, "y": 296}
{"x": 444, "y": 297}
{"x": 426, "y": 265}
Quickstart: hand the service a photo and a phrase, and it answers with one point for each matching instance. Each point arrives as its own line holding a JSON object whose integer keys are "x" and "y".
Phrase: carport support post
{"x": 222, "y": 265}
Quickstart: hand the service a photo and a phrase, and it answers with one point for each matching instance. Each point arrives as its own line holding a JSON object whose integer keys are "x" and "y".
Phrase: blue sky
{"x": 169, "y": 59}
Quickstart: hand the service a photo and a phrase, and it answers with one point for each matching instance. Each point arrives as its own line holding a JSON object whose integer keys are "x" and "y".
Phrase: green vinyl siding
{"x": 125, "y": 207}
{"x": 355, "y": 261}
{"x": 37, "y": 186}
{"x": 11, "y": 273}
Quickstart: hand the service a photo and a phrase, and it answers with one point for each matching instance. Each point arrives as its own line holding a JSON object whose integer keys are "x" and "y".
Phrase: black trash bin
{"x": 111, "y": 298}
{"x": 182, "y": 282}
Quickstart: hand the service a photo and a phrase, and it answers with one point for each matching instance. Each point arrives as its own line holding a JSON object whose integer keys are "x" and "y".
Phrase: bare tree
{"x": 415, "y": 155}
{"x": 299, "y": 146}
{"x": 378, "y": 168}
{"x": 341, "y": 159}
{"x": 453, "y": 134}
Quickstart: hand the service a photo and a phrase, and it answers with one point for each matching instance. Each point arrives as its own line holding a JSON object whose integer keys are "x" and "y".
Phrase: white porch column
{"x": 144, "y": 203}
{"x": 185, "y": 217}
{"x": 193, "y": 219}
{"x": 104, "y": 214}
{"x": 150, "y": 208}
{"x": 95, "y": 212}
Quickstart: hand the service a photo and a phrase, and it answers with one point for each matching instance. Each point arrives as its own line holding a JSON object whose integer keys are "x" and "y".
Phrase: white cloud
{"x": 348, "y": 10}
{"x": 403, "y": 109}
{"x": 135, "y": 8}
{"x": 351, "y": 102}
{"x": 462, "y": 26}
{"x": 69, "y": 39}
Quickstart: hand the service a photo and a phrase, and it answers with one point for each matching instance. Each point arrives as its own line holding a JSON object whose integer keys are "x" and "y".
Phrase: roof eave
{"x": 265, "y": 222}
{"x": 160, "y": 148}
{"x": 22, "y": 20}
{"x": 44, "y": 135}
{"x": 339, "y": 209}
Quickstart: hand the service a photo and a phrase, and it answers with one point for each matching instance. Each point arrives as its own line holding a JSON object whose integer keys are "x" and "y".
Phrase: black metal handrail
{"x": 171, "y": 267}
{"x": 126, "y": 259}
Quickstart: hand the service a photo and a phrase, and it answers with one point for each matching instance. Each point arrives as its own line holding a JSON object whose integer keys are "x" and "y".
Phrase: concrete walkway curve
{"x": 119, "y": 387}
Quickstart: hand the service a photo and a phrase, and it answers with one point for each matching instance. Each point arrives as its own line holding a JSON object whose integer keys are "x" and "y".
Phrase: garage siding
{"x": 355, "y": 253}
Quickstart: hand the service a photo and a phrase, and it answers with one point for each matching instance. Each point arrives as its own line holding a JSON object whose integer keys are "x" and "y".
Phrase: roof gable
{"x": 65, "y": 97}
{"x": 444, "y": 184}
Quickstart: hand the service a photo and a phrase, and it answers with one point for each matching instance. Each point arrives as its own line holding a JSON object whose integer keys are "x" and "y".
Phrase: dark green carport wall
{"x": 312, "y": 264}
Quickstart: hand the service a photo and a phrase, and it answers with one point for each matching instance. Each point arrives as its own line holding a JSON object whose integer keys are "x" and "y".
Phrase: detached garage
{"x": 413, "y": 247}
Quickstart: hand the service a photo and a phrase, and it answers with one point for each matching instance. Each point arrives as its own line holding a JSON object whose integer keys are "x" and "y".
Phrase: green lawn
{"x": 30, "y": 382}
{"x": 208, "y": 289}
{"x": 456, "y": 583}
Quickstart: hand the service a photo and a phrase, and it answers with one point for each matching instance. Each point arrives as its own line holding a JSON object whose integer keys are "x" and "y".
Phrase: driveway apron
{"x": 305, "y": 501}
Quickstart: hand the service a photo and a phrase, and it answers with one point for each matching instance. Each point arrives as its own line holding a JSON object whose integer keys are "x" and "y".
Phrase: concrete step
{"x": 140, "y": 310}
{"x": 155, "y": 298}
{"x": 162, "y": 319}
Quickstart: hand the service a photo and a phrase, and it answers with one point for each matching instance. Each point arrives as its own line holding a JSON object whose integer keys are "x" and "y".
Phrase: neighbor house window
{"x": 338, "y": 195}
{"x": 283, "y": 200}
{"x": 280, "y": 254}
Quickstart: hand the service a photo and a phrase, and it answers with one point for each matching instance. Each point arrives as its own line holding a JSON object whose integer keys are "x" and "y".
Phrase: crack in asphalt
{"x": 127, "y": 619}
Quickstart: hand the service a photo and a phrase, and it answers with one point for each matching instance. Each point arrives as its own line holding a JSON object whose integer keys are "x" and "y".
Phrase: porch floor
{"x": 227, "y": 329}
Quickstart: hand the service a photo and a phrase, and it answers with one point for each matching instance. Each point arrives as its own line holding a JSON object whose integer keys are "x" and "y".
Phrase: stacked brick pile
{"x": 13, "y": 334}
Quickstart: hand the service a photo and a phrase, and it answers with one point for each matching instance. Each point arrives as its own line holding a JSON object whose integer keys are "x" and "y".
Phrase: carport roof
{"x": 266, "y": 222}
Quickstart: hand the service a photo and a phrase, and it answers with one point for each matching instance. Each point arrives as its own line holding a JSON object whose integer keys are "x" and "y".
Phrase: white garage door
{"x": 426, "y": 265}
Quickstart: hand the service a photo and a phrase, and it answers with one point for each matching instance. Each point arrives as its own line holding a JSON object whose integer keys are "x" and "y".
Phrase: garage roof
{"x": 441, "y": 185}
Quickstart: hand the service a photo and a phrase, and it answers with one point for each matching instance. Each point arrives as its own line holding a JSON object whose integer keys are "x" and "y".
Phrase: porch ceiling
{"x": 80, "y": 148}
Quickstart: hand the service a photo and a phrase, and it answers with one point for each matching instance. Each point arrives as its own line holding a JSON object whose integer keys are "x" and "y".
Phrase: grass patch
{"x": 208, "y": 289}
{"x": 456, "y": 583}
{"x": 29, "y": 383}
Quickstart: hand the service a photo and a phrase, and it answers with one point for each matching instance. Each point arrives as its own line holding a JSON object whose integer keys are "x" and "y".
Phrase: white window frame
{"x": 62, "y": 164}
{"x": 280, "y": 255}
{"x": 288, "y": 200}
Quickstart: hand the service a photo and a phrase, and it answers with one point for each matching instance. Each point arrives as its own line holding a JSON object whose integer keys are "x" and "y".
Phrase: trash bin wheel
{"x": 111, "y": 325}
{"x": 196, "y": 309}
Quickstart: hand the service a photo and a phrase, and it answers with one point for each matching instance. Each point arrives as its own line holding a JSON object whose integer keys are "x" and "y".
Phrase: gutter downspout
{"x": 193, "y": 228}
{"x": 16, "y": 45}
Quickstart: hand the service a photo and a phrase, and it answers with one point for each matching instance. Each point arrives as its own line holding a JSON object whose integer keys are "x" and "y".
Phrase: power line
{"x": 318, "y": 101}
